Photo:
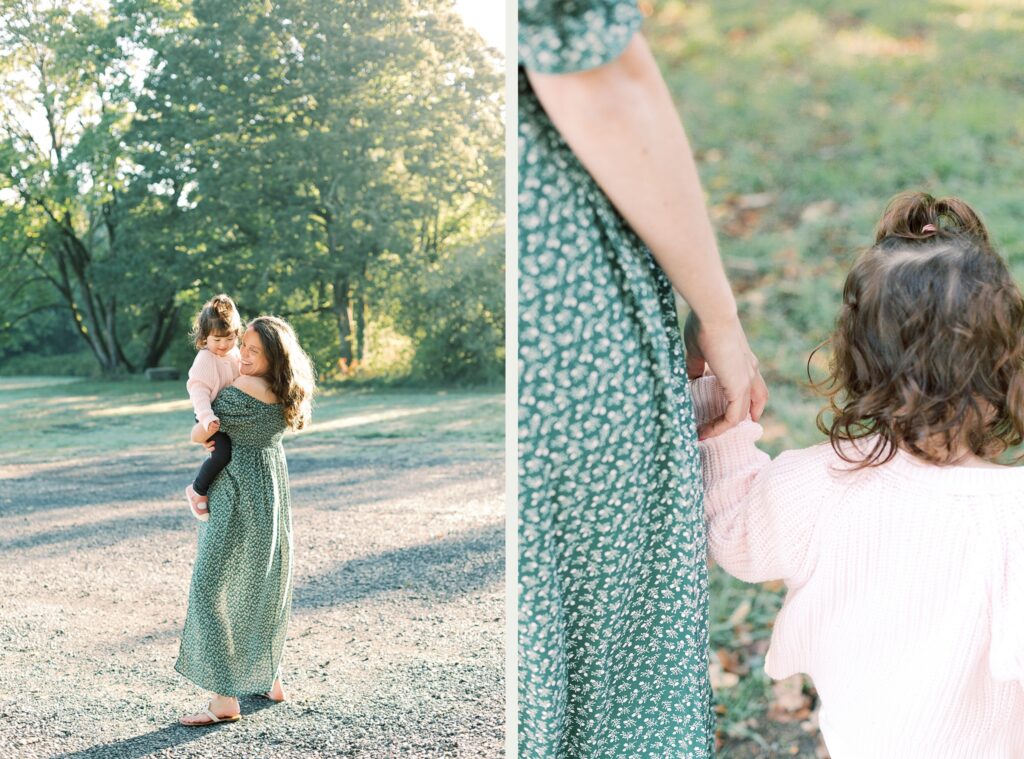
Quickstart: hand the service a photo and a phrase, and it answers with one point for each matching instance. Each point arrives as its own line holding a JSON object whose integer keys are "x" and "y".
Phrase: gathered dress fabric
{"x": 240, "y": 595}
{"x": 613, "y": 587}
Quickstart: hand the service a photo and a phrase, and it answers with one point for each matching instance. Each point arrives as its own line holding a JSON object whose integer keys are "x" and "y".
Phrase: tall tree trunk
{"x": 359, "y": 310}
{"x": 95, "y": 321}
{"x": 342, "y": 300}
{"x": 160, "y": 334}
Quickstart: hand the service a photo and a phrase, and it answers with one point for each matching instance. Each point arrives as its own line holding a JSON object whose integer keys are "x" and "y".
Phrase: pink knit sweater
{"x": 905, "y": 583}
{"x": 208, "y": 376}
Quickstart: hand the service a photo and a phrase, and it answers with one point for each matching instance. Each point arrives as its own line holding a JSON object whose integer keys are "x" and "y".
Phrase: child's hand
{"x": 724, "y": 350}
{"x": 695, "y": 364}
{"x": 213, "y": 426}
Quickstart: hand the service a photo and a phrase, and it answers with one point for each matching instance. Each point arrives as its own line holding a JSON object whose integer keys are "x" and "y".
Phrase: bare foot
{"x": 276, "y": 693}
{"x": 224, "y": 707}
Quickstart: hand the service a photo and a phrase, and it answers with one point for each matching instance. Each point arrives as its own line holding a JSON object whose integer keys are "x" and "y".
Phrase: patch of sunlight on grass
{"x": 696, "y": 24}
{"x": 7, "y": 384}
{"x": 796, "y": 35}
{"x": 996, "y": 21}
{"x": 99, "y": 417}
{"x": 458, "y": 424}
{"x": 473, "y": 417}
{"x": 360, "y": 420}
{"x": 55, "y": 410}
{"x": 1001, "y": 15}
{"x": 854, "y": 45}
{"x": 160, "y": 407}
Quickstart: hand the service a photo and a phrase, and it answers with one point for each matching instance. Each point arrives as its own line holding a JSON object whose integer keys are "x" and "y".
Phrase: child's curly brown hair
{"x": 928, "y": 348}
{"x": 219, "y": 317}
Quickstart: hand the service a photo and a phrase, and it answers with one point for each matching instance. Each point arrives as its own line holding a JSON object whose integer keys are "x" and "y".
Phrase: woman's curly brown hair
{"x": 928, "y": 348}
{"x": 290, "y": 373}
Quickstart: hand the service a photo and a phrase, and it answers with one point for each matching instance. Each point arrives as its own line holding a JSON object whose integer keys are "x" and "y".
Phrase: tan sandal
{"x": 214, "y": 719}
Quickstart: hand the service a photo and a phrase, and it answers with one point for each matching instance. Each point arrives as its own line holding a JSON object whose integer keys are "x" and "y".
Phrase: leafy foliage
{"x": 289, "y": 153}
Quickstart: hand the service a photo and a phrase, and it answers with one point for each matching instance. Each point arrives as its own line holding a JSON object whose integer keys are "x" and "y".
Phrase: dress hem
{"x": 233, "y": 692}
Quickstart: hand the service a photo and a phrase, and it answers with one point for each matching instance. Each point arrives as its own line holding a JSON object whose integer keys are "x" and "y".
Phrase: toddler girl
{"x": 901, "y": 543}
{"x": 216, "y": 330}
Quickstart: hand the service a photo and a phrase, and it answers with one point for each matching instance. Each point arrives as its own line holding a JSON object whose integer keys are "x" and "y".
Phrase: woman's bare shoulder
{"x": 256, "y": 387}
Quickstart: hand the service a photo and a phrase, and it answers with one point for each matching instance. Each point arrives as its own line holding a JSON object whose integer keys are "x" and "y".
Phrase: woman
{"x": 240, "y": 596}
{"x": 613, "y": 596}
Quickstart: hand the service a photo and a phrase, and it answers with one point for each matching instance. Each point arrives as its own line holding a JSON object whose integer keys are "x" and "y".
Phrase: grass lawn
{"x": 47, "y": 418}
{"x": 805, "y": 118}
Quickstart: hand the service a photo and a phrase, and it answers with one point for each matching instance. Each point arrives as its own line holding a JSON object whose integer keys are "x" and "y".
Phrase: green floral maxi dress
{"x": 240, "y": 597}
{"x": 613, "y": 589}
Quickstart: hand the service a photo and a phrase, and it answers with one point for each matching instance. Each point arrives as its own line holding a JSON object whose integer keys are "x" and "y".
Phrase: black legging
{"x": 219, "y": 458}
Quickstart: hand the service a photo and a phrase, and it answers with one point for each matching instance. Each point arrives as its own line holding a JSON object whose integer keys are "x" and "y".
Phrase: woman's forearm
{"x": 620, "y": 122}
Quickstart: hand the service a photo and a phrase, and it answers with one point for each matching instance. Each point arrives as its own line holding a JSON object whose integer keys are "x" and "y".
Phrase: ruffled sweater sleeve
{"x": 760, "y": 513}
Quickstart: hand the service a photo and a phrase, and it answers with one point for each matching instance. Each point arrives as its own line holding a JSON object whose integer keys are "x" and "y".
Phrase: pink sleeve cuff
{"x": 205, "y": 420}
{"x": 708, "y": 399}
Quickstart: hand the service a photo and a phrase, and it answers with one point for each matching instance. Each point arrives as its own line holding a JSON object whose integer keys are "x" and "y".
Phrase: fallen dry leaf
{"x": 720, "y": 679}
{"x": 740, "y": 613}
{"x": 755, "y": 201}
{"x": 789, "y": 703}
{"x": 818, "y": 210}
{"x": 730, "y": 662}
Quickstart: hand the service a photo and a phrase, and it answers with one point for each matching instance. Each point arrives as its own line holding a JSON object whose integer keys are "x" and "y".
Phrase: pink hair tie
{"x": 928, "y": 228}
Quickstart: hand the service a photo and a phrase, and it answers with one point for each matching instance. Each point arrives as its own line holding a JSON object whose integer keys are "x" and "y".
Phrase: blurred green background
{"x": 335, "y": 162}
{"x": 805, "y": 118}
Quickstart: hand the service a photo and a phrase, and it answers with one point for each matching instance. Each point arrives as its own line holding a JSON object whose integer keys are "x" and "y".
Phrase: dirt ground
{"x": 395, "y": 646}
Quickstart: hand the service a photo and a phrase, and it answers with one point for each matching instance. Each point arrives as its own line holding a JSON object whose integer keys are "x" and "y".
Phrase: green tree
{"x": 316, "y": 136}
{"x": 65, "y": 89}
{"x": 298, "y": 154}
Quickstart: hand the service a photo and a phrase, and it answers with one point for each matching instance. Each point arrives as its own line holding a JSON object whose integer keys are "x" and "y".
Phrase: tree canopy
{"x": 338, "y": 163}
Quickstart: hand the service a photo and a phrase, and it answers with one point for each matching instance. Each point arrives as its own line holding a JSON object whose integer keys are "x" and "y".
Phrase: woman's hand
{"x": 723, "y": 348}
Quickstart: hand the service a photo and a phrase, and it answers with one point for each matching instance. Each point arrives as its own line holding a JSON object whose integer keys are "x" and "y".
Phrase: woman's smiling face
{"x": 254, "y": 358}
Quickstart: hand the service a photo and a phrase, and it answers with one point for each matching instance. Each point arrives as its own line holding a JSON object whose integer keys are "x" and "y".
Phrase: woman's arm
{"x": 620, "y": 122}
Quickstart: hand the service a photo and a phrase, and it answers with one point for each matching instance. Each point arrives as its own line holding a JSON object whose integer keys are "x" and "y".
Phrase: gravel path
{"x": 396, "y": 638}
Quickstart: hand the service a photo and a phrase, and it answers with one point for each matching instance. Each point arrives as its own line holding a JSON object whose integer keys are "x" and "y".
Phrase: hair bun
{"x": 918, "y": 216}
{"x": 224, "y": 306}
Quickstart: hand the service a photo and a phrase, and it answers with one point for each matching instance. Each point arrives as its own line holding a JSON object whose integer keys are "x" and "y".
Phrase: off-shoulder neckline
{"x": 248, "y": 395}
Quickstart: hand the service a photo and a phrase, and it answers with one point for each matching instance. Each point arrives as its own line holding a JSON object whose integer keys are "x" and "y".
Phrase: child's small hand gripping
{"x": 726, "y": 353}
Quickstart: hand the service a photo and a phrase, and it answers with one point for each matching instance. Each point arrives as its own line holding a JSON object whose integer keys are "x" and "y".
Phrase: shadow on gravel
{"x": 144, "y": 745}
{"x": 102, "y": 534}
{"x": 343, "y": 481}
{"x": 165, "y": 738}
{"x": 351, "y": 478}
{"x": 460, "y": 564}
{"x": 124, "y": 478}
